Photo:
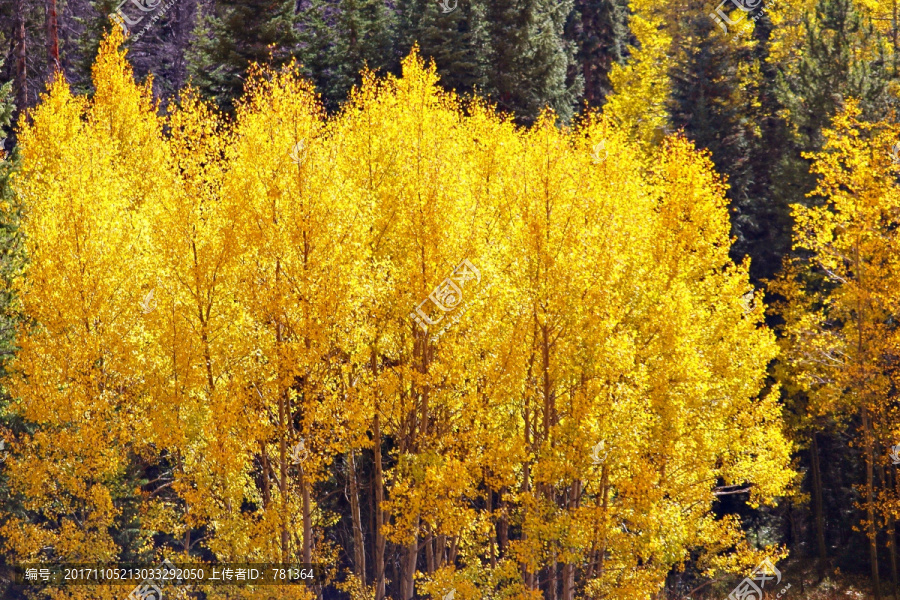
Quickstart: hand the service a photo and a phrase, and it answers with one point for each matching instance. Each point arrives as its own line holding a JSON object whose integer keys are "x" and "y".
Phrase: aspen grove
{"x": 409, "y": 341}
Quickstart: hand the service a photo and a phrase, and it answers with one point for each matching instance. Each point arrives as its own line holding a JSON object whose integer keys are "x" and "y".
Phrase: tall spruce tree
{"x": 12, "y": 260}
{"x": 528, "y": 58}
{"x": 452, "y": 34}
{"x": 339, "y": 38}
{"x": 717, "y": 100}
{"x": 231, "y": 35}
{"x": 10, "y": 215}
{"x": 843, "y": 57}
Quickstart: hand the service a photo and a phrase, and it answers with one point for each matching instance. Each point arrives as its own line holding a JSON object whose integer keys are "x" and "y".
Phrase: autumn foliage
{"x": 219, "y": 361}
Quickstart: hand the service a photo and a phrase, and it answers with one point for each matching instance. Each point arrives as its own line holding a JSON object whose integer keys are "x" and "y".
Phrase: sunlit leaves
{"x": 222, "y": 320}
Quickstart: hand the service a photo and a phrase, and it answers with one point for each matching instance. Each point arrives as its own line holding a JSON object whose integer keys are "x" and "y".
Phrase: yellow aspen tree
{"x": 839, "y": 301}
{"x": 705, "y": 356}
{"x": 553, "y": 278}
{"x": 484, "y": 433}
{"x": 670, "y": 473}
{"x": 534, "y": 336}
{"x": 199, "y": 347}
{"x": 88, "y": 168}
{"x": 403, "y": 147}
{"x": 292, "y": 233}
{"x": 641, "y": 87}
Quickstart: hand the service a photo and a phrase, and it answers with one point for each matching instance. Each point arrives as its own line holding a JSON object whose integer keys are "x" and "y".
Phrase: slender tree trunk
{"x": 587, "y": 66}
{"x": 265, "y": 474}
{"x": 568, "y": 570}
{"x": 283, "y": 418}
{"x": 526, "y": 486}
{"x": 359, "y": 549}
{"x": 52, "y": 37}
{"x": 182, "y": 26}
{"x": 503, "y": 526}
{"x": 490, "y": 510}
{"x": 548, "y": 400}
{"x": 429, "y": 553}
{"x": 411, "y": 444}
{"x": 892, "y": 531}
{"x": 409, "y": 571}
{"x": 20, "y": 54}
{"x": 541, "y": 437}
{"x": 870, "y": 500}
{"x": 530, "y": 435}
{"x": 894, "y": 36}
{"x": 379, "y": 513}
{"x": 867, "y": 428}
{"x": 895, "y": 571}
{"x": 604, "y": 486}
{"x": 453, "y": 549}
{"x": 892, "y": 539}
{"x": 307, "y": 517}
{"x": 442, "y": 550}
{"x": 395, "y": 570}
{"x": 282, "y": 479}
{"x": 554, "y": 578}
{"x": 817, "y": 498}
{"x": 568, "y": 581}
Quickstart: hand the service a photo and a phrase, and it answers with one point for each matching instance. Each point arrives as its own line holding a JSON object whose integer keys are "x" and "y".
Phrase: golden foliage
{"x": 228, "y": 305}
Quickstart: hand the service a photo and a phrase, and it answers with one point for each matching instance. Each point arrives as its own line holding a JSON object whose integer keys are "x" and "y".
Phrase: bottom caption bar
{"x": 149, "y": 580}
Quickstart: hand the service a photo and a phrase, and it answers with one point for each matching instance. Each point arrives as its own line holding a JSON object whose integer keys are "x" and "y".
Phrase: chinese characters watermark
{"x": 446, "y": 297}
{"x": 32, "y": 574}
{"x": 895, "y": 455}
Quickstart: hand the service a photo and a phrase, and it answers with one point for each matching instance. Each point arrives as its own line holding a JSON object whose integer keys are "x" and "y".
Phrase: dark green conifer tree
{"x": 834, "y": 65}
{"x": 528, "y": 60}
{"x": 452, "y": 34}
{"x": 231, "y": 35}
{"x": 717, "y": 100}
{"x": 338, "y": 38}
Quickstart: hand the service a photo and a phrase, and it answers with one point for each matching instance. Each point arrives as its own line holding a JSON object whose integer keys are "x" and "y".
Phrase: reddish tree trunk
{"x": 52, "y": 36}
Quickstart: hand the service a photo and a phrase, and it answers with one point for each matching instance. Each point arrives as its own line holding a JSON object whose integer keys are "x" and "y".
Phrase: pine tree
{"x": 232, "y": 35}
{"x": 11, "y": 256}
{"x": 11, "y": 263}
{"x": 717, "y": 101}
{"x": 842, "y": 58}
{"x": 528, "y": 60}
{"x": 454, "y": 40}
{"x": 317, "y": 39}
{"x": 339, "y": 38}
